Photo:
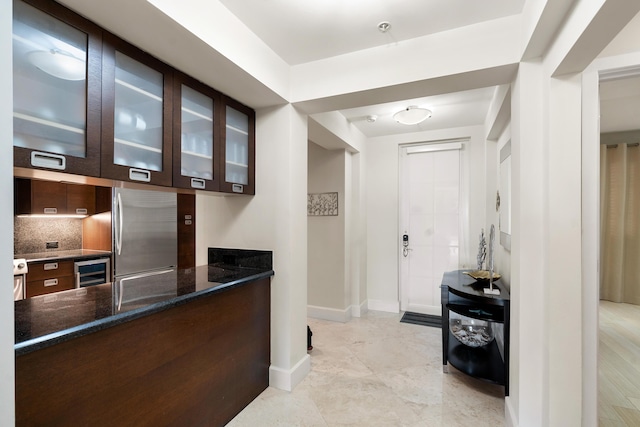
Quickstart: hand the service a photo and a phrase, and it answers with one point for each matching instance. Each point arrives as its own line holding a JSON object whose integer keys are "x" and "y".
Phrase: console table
{"x": 464, "y": 295}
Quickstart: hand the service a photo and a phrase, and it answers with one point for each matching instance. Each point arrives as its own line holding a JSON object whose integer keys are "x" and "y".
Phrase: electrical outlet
{"x": 52, "y": 245}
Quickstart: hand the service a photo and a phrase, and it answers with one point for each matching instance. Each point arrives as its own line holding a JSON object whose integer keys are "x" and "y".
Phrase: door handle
{"x": 137, "y": 276}
{"x": 118, "y": 233}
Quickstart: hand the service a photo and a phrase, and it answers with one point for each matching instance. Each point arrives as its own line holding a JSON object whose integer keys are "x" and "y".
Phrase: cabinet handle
{"x": 139, "y": 175}
{"x": 48, "y": 160}
{"x": 51, "y": 266}
{"x": 51, "y": 210}
{"x": 81, "y": 211}
{"x": 51, "y": 282}
{"x": 237, "y": 188}
{"x": 197, "y": 183}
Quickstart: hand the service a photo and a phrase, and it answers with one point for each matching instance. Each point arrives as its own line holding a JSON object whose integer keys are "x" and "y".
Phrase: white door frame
{"x": 600, "y": 69}
{"x": 403, "y": 151}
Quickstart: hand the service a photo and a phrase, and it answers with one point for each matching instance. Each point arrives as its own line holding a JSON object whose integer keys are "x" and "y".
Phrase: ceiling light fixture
{"x": 372, "y": 118}
{"x": 384, "y": 26}
{"x": 412, "y": 115}
{"x": 58, "y": 63}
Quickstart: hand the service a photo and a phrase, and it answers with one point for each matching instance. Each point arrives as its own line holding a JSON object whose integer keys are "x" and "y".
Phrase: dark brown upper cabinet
{"x": 34, "y": 196}
{"x": 137, "y": 94}
{"x": 56, "y": 89}
{"x": 195, "y": 140}
{"x": 237, "y": 154}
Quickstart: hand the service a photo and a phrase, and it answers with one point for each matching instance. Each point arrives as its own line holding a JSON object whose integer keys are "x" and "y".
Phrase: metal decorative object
{"x": 482, "y": 250}
{"x": 322, "y": 204}
{"x": 492, "y": 237}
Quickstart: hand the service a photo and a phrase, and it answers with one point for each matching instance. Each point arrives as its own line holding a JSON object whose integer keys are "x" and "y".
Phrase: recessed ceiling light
{"x": 412, "y": 115}
{"x": 384, "y": 26}
{"x": 372, "y": 118}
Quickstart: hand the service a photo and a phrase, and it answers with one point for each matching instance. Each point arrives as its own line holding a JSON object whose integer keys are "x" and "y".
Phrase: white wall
{"x": 7, "y": 408}
{"x": 503, "y": 256}
{"x": 274, "y": 219}
{"x": 328, "y": 288}
{"x": 383, "y": 239}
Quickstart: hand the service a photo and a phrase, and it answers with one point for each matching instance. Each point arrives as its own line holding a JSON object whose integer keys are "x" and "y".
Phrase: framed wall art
{"x": 322, "y": 204}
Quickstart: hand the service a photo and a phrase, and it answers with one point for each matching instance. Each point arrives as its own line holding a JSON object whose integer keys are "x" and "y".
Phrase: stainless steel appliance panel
{"x": 145, "y": 231}
{"x": 140, "y": 290}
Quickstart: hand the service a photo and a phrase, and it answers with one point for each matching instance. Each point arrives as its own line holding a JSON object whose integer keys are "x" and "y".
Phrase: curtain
{"x": 620, "y": 223}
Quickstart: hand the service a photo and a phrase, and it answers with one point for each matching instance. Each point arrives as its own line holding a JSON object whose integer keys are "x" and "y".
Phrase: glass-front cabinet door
{"x": 238, "y": 130}
{"x": 194, "y": 136}
{"x": 56, "y": 89}
{"x": 136, "y": 115}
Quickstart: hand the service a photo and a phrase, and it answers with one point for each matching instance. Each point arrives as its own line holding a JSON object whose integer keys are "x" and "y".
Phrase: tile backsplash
{"x": 30, "y": 235}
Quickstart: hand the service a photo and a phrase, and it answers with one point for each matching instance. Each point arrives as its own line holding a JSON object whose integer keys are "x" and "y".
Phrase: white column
{"x": 7, "y": 397}
{"x": 274, "y": 219}
{"x": 282, "y": 135}
{"x": 563, "y": 281}
{"x": 526, "y": 406}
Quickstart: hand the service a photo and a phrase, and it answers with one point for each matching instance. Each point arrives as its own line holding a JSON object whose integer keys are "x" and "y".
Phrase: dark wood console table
{"x": 464, "y": 295}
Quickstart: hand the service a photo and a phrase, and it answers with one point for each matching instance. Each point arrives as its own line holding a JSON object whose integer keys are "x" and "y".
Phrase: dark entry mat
{"x": 422, "y": 319}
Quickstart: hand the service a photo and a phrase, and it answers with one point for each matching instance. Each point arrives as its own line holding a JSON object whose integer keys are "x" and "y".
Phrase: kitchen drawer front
{"x": 47, "y": 286}
{"x": 49, "y": 270}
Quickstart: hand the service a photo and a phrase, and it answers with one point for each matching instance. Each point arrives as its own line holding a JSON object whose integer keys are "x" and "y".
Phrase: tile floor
{"x": 376, "y": 371}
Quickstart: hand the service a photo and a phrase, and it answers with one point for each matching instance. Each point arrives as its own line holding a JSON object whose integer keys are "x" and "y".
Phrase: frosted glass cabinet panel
{"x": 239, "y": 148}
{"x": 195, "y": 134}
{"x": 51, "y": 120}
{"x": 136, "y": 114}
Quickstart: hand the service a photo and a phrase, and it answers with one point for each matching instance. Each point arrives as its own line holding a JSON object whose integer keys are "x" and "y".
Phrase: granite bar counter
{"x": 49, "y": 319}
{"x": 195, "y": 351}
{"x": 62, "y": 255}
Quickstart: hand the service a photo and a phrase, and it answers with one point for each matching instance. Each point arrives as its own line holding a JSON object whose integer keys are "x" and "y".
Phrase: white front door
{"x": 429, "y": 216}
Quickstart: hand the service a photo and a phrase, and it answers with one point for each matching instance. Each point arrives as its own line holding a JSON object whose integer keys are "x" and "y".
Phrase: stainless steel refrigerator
{"x": 145, "y": 235}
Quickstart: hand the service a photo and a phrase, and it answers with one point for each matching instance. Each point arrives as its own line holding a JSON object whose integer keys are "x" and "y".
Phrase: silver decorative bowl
{"x": 470, "y": 332}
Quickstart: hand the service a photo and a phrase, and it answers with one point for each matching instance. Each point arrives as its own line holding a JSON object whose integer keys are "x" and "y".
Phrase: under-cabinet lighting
{"x": 51, "y": 216}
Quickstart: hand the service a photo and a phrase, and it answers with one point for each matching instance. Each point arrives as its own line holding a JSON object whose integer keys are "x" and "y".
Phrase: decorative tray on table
{"x": 482, "y": 274}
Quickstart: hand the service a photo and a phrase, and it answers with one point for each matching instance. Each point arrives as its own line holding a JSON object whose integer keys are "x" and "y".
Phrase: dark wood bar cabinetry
{"x": 57, "y": 57}
{"x": 120, "y": 113}
{"x": 137, "y": 96}
{"x": 34, "y": 196}
{"x": 465, "y": 296}
{"x": 197, "y": 362}
{"x": 237, "y": 157}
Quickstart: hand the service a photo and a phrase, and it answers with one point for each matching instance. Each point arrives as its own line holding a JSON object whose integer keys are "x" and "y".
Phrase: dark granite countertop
{"x": 60, "y": 255}
{"x": 49, "y": 319}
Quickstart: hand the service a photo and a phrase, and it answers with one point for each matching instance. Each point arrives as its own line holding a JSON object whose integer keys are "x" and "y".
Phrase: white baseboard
{"x": 287, "y": 380}
{"x": 510, "y": 419}
{"x": 326, "y": 313}
{"x": 380, "y": 305}
{"x": 359, "y": 310}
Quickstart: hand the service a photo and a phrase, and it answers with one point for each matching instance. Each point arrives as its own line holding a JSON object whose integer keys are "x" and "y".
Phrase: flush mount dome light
{"x": 412, "y": 115}
{"x": 58, "y": 63}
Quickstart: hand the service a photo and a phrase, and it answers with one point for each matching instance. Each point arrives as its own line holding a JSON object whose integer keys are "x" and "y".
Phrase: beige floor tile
{"x": 376, "y": 371}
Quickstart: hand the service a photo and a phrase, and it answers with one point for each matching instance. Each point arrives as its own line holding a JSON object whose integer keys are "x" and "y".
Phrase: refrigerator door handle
{"x": 138, "y": 276}
{"x": 118, "y": 233}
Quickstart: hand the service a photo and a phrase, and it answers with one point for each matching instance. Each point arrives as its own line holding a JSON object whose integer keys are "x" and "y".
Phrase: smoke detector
{"x": 384, "y": 26}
